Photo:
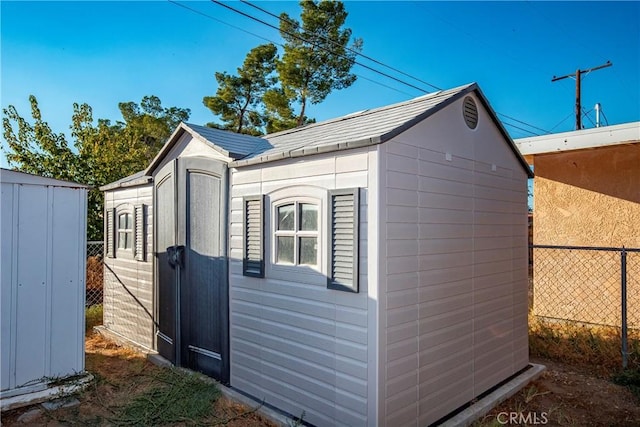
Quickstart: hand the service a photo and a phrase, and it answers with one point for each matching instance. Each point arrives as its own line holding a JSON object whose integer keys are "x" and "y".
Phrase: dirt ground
{"x": 121, "y": 373}
{"x": 568, "y": 396}
{"x": 563, "y": 396}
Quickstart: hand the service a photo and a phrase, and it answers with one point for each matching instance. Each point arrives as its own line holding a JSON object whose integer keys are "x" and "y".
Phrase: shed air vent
{"x": 470, "y": 112}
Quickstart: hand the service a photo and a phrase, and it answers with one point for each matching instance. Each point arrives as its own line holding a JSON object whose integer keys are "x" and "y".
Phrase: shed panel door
{"x": 31, "y": 305}
{"x": 7, "y": 287}
{"x": 202, "y": 201}
{"x": 165, "y": 206}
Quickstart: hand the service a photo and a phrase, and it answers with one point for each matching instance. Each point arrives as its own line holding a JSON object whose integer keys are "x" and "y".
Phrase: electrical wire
{"x": 320, "y": 47}
{"x": 335, "y": 53}
{"x": 274, "y": 42}
{"x": 524, "y": 123}
{"x": 585, "y": 114}
{"x": 357, "y": 53}
{"x": 222, "y": 22}
{"x": 562, "y": 121}
{"x": 519, "y": 128}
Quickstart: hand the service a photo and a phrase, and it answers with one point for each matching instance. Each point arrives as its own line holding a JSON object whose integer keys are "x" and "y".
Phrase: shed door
{"x": 197, "y": 280}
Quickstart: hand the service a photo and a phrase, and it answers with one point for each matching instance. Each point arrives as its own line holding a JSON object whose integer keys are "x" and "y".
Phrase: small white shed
{"x": 43, "y": 253}
{"x": 367, "y": 270}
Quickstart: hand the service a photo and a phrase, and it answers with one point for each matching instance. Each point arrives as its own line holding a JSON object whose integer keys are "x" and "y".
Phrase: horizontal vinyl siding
{"x": 128, "y": 283}
{"x": 295, "y": 343}
{"x": 455, "y": 318}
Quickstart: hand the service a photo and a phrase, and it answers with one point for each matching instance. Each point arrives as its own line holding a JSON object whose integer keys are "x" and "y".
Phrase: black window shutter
{"x": 253, "y": 259}
{"x": 109, "y": 233}
{"x": 344, "y": 238}
{"x": 140, "y": 234}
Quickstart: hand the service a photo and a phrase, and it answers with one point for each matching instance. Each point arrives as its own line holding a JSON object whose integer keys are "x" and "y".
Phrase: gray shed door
{"x": 192, "y": 266}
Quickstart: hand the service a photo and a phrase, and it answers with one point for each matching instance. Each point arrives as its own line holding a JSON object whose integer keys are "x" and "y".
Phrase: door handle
{"x": 175, "y": 256}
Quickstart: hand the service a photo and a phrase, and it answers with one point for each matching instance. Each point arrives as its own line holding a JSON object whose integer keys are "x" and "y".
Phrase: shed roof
{"x": 17, "y": 177}
{"x": 137, "y": 178}
{"x": 626, "y": 133}
{"x": 368, "y": 127}
{"x": 229, "y": 144}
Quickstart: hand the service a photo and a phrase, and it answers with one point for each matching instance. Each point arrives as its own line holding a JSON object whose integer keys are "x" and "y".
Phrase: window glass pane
{"x": 286, "y": 217}
{"x": 284, "y": 249}
{"x": 308, "y": 247}
{"x": 124, "y": 221}
{"x": 121, "y": 240}
{"x": 308, "y": 217}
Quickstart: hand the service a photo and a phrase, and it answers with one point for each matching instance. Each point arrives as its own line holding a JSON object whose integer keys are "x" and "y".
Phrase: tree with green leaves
{"x": 317, "y": 58}
{"x": 238, "y": 98}
{"x": 102, "y": 152}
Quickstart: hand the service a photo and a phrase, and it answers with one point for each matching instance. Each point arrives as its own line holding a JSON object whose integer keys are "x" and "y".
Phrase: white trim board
{"x": 626, "y": 133}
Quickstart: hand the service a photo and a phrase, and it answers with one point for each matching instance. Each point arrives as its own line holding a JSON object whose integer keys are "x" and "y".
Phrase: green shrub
{"x": 93, "y": 317}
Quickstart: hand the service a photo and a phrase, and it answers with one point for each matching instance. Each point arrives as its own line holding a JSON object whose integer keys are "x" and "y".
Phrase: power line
{"x": 586, "y": 114}
{"x": 271, "y": 41}
{"x": 562, "y": 121}
{"x": 318, "y": 46}
{"x": 524, "y": 123}
{"x": 356, "y": 62}
{"x": 221, "y": 21}
{"x": 519, "y": 128}
{"x": 357, "y": 53}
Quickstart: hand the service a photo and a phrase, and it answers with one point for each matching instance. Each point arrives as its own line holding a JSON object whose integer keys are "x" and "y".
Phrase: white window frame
{"x": 309, "y": 274}
{"x": 119, "y": 251}
{"x": 296, "y": 233}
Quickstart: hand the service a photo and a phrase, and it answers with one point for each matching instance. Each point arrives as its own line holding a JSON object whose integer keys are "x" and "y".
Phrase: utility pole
{"x": 577, "y": 75}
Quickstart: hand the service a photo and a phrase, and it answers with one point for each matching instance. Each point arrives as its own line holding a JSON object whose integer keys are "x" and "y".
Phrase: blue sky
{"x": 103, "y": 53}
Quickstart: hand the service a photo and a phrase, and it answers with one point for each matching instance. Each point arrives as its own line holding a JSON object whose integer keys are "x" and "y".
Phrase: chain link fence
{"x": 587, "y": 286}
{"x": 95, "y": 274}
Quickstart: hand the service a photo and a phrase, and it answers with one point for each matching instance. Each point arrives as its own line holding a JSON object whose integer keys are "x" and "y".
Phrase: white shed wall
{"x": 188, "y": 146}
{"x": 454, "y": 288}
{"x": 128, "y": 283}
{"x": 43, "y": 253}
{"x": 295, "y": 343}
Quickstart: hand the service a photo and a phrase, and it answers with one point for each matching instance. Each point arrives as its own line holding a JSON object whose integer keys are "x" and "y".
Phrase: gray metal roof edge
{"x": 145, "y": 179}
{"x": 206, "y": 141}
{"x": 47, "y": 181}
{"x": 306, "y": 151}
{"x": 173, "y": 139}
{"x": 503, "y": 131}
{"x": 429, "y": 112}
{"x": 357, "y": 143}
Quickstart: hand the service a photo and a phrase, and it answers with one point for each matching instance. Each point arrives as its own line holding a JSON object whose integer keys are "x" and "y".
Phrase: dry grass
{"x": 597, "y": 349}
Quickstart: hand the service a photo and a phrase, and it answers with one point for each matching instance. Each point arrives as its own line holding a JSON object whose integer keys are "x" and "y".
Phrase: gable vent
{"x": 470, "y": 112}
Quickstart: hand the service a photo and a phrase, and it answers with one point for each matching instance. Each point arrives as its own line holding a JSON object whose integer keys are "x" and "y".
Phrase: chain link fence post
{"x": 623, "y": 300}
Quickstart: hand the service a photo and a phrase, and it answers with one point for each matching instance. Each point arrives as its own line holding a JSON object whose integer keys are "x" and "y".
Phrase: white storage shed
{"x": 367, "y": 270}
{"x": 43, "y": 253}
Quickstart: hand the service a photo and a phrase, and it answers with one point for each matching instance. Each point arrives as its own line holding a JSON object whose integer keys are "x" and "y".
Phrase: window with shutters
{"x": 125, "y": 231}
{"x": 295, "y": 233}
